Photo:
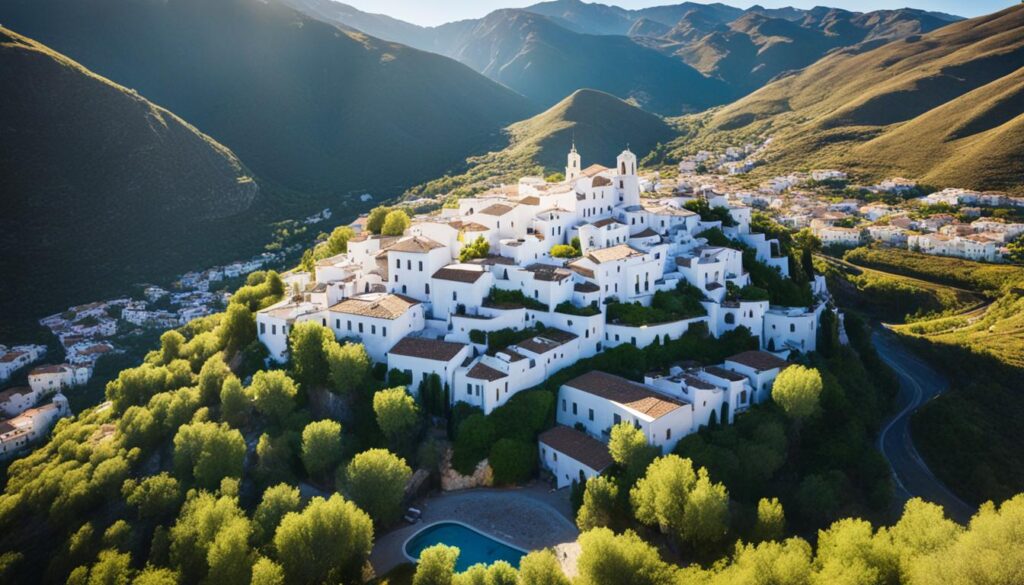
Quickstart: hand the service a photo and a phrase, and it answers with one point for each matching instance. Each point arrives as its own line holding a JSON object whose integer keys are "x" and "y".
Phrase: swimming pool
{"x": 474, "y": 547}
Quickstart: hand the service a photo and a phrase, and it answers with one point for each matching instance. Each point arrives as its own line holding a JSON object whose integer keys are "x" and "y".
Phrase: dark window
{"x": 590, "y": 415}
{"x": 574, "y": 408}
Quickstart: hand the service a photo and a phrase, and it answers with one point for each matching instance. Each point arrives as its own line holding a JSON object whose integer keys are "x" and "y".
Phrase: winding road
{"x": 919, "y": 383}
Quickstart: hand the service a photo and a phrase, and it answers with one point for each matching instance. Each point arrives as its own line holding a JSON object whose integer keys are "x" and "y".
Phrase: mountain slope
{"x": 601, "y": 19}
{"x": 100, "y": 186}
{"x": 303, "y": 103}
{"x": 600, "y": 124}
{"x": 946, "y": 108}
{"x": 755, "y": 48}
{"x": 545, "y": 62}
{"x": 535, "y": 56}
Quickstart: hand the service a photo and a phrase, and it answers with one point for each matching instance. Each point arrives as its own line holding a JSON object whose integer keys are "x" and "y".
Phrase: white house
{"x": 599, "y": 401}
{"x": 15, "y": 401}
{"x": 420, "y": 357}
{"x": 760, "y": 368}
{"x": 410, "y": 264}
{"x": 15, "y": 358}
{"x": 378, "y": 320}
{"x": 17, "y": 433}
{"x": 51, "y": 379}
{"x": 791, "y": 328}
{"x": 572, "y": 456}
{"x": 275, "y": 322}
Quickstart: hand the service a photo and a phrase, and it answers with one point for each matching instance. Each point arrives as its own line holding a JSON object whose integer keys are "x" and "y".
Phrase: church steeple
{"x": 573, "y": 164}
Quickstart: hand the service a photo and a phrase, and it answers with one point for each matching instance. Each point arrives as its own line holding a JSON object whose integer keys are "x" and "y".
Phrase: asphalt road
{"x": 919, "y": 383}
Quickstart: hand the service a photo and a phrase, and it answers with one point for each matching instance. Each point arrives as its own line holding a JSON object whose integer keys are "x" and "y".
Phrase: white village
{"x": 555, "y": 263}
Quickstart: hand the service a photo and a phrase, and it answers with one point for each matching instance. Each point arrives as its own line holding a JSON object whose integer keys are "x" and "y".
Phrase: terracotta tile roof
{"x": 758, "y": 360}
{"x": 387, "y": 306}
{"x": 630, "y": 394}
{"x": 50, "y": 369}
{"x": 482, "y": 371}
{"x": 594, "y": 169}
{"x": 547, "y": 272}
{"x": 414, "y": 245}
{"x": 16, "y": 391}
{"x": 724, "y": 374}
{"x": 531, "y": 200}
{"x": 428, "y": 349}
{"x": 579, "y": 446}
{"x": 11, "y": 356}
{"x": 497, "y": 209}
{"x": 458, "y": 274}
{"x": 601, "y": 181}
{"x": 647, "y": 233}
{"x": 547, "y": 341}
{"x": 586, "y": 287}
{"x": 607, "y": 221}
{"x": 586, "y": 272}
{"x": 620, "y": 252}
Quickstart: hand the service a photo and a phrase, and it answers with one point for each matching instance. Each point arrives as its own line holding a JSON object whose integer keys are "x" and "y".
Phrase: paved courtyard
{"x": 532, "y": 517}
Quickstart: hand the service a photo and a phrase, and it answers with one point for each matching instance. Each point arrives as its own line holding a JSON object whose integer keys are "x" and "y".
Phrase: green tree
{"x": 210, "y": 538}
{"x": 771, "y": 520}
{"x": 682, "y": 502}
{"x": 308, "y": 342}
{"x": 563, "y": 251}
{"x": 237, "y": 328}
{"x": 628, "y": 447}
{"x": 797, "y": 390}
{"x": 321, "y": 448}
{"x": 781, "y": 563}
{"x": 211, "y": 379}
{"x": 479, "y": 248}
{"x": 207, "y": 452}
{"x": 436, "y": 565}
{"x": 922, "y": 530}
{"x": 395, "y": 223}
{"x": 376, "y": 482}
{"x": 513, "y": 461}
{"x": 111, "y": 568}
{"x": 171, "y": 343}
{"x": 337, "y": 242}
{"x": 155, "y": 497}
{"x": 230, "y": 557}
{"x": 349, "y": 367}
{"x": 375, "y": 221}
{"x": 117, "y": 535}
{"x": 274, "y": 459}
{"x": 609, "y": 558}
{"x": 335, "y": 525}
{"x": 273, "y": 394}
{"x": 267, "y": 572}
{"x": 600, "y": 507}
{"x": 472, "y": 442}
{"x": 540, "y": 567}
{"x": 276, "y": 503}
{"x": 234, "y": 403}
{"x": 156, "y": 576}
{"x": 397, "y": 415}
{"x": 139, "y": 428}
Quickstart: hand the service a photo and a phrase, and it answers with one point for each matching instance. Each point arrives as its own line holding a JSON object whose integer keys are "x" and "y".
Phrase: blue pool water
{"x": 473, "y": 546}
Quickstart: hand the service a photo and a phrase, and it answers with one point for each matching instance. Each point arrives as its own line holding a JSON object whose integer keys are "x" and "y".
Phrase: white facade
{"x": 17, "y": 433}
{"x": 420, "y": 357}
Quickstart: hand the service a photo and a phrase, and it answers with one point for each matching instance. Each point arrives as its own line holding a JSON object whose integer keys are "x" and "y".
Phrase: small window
{"x": 360, "y": 327}
{"x": 350, "y": 325}
{"x": 263, "y": 328}
{"x": 273, "y": 329}
{"x": 398, "y": 262}
{"x": 668, "y": 434}
{"x": 563, "y": 405}
{"x": 574, "y": 411}
{"x": 421, "y": 265}
{"x": 590, "y": 415}
{"x": 617, "y": 419}
{"x": 384, "y": 331}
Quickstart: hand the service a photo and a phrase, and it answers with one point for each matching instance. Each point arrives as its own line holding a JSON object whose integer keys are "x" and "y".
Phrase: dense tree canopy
{"x": 207, "y": 452}
{"x": 321, "y": 448}
{"x": 797, "y": 390}
{"x": 375, "y": 480}
{"x": 334, "y": 525}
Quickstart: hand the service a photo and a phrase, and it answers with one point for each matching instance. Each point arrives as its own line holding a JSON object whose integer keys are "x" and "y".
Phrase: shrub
{"x": 513, "y": 461}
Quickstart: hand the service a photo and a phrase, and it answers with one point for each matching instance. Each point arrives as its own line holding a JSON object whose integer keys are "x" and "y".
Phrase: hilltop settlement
{"x": 514, "y": 284}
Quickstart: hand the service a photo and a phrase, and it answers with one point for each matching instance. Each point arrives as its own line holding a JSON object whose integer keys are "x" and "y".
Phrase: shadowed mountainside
{"x": 100, "y": 186}
{"x": 305, "y": 104}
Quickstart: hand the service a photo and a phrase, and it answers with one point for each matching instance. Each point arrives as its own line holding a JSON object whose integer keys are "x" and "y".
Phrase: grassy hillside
{"x": 971, "y": 435}
{"x": 755, "y": 48}
{"x": 944, "y": 107}
{"x": 601, "y": 124}
{"x": 102, "y": 188}
{"x": 304, "y": 104}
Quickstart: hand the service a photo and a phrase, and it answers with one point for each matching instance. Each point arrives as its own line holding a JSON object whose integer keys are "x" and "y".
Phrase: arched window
{"x": 730, "y": 318}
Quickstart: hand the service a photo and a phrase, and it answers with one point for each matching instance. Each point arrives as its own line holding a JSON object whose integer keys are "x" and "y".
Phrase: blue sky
{"x": 434, "y": 12}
